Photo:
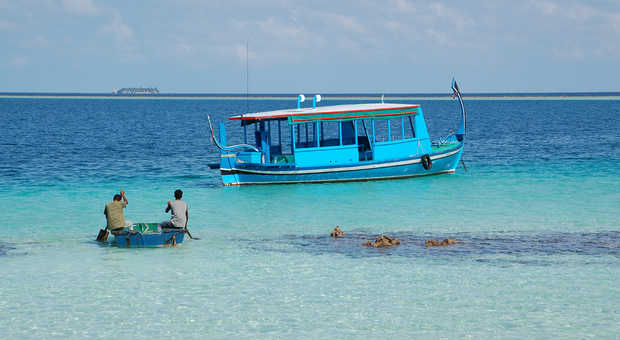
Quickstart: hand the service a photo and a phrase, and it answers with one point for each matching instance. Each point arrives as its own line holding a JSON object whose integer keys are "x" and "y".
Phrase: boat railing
{"x": 397, "y": 141}
{"x": 227, "y": 148}
{"x": 450, "y": 138}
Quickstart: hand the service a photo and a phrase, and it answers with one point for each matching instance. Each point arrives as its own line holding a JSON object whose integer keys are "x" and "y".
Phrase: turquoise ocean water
{"x": 537, "y": 210}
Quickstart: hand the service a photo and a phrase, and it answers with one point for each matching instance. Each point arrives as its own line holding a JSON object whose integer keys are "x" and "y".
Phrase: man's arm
{"x": 168, "y": 207}
{"x": 186, "y": 216}
{"x": 124, "y": 197}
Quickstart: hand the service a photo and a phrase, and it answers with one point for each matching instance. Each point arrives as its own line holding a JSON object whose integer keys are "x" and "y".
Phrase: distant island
{"x": 136, "y": 91}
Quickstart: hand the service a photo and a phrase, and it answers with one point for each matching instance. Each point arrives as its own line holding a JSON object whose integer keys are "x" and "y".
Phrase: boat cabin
{"x": 331, "y": 135}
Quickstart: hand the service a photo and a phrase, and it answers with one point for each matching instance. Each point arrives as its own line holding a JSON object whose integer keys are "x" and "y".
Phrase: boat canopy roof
{"x": 333, "y": 113}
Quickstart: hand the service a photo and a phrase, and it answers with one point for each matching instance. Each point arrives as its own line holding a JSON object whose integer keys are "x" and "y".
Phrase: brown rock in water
{"x": 436, "y": 243}
{"x": 432, "y": 243}
{"x": 337, "y": 232}
{"x": 382, "y": 241}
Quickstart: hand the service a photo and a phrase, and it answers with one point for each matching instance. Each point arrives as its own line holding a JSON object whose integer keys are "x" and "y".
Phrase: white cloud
{"x": 578, "y": 30}
{"x": 6, "y": 25}
{"x": 451, "y": 16}
{"x": 279, "y": 30}
{"x": 184, "y": 49}
{"x": 404, "y": 6}
{"x": 616, "y": 22}
{"x": 242, "y": 51}
{"x": 395, "y": 25}
{"x": 80, "y": 7}
{"x": 37, "y": 42}
{"x": 5, "y": 4}
{"x": 21, "y": 61}
{"x": 344, "y": 22}
{"x": 272, "y": 39}
{"x": 568, "y": 53}
{"x": 118, "y": 29}
{"x": 438, "y": 37}
{"x": 284, "y": 35}
{"x": 545, "y": 6}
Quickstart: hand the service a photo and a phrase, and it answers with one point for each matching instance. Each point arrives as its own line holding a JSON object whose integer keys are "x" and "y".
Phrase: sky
{"x": 386, "y": 46}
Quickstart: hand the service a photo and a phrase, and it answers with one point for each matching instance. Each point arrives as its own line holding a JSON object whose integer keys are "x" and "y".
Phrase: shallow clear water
{"x": 537, "y": 210}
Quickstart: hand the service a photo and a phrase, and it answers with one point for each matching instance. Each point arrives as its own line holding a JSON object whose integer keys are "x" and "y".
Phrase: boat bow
{"x": 460, "y": 133}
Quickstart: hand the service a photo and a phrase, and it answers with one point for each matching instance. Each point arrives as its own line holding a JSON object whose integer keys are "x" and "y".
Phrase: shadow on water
{"x": 5, "y": 248}
{"x": 518, "y": 248}
{"x": 10, "y": 249}
{"x": 106, "y": 244}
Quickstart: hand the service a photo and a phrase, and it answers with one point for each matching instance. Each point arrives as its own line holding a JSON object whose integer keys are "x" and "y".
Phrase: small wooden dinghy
{"x": 142, "y": 235}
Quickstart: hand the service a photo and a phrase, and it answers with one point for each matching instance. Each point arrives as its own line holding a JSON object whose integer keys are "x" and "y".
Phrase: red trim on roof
{"x": 357, "y": 116}
{"x": 318, "y": 113}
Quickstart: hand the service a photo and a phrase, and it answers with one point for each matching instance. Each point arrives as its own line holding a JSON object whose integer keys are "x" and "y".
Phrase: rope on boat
{"x": 141, "y": 238}
{"x": 172, "y": 241}
{"x": 227, "y": 148}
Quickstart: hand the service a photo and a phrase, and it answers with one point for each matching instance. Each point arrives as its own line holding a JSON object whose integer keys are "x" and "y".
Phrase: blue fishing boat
{"x": 142, "y": 235}
{"x": 337, "y": 143}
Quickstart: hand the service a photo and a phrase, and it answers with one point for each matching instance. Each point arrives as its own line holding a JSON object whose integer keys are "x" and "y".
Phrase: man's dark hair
{"x": 117, "y": 197}
{"x": 178, "y": 194}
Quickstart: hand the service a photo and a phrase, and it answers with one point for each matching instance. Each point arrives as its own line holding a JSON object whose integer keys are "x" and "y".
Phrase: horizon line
{"x": 326, "y": 96}
{"x": 243, "y": 94}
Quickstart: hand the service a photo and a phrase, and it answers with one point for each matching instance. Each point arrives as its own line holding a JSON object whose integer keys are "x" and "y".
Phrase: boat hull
{"x": 136, "y": 239}
{"x": 445, "y": 161}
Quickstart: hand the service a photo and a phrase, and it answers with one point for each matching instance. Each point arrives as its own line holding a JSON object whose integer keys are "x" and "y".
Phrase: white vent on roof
{"x": 300, "y": 99}
{"x": 316, "y": 99}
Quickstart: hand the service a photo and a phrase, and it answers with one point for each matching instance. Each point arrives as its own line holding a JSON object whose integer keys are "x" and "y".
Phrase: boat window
{"x": 409, "y": 130}
{"x": 330, "y": 133}
{"x": 248, "y": 130}
{"x": 286, "y": 138}
{"x": 381, "y": 130}
{"x": 348, "y": 133}
{"x": 275, "y": 135}
{"x": 364, "y": 132}
{"x": 256, "y": 135}
{"x": 396, "y": 128}
{"x": 305, "y": 135}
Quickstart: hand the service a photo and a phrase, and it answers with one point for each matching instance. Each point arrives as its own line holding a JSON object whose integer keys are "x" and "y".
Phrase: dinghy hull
{"x": 147, "y": 235}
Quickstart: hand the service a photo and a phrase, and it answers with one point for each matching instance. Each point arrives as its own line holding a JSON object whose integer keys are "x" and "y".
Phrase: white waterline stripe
{"x": 342, "y": 180}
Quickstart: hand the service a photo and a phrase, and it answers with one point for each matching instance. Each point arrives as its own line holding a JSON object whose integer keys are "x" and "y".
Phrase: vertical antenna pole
{"x": 247, "y": 78}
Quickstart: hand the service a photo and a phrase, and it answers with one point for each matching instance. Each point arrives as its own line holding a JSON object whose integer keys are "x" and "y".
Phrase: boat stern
{"x": 227, "y": 166}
